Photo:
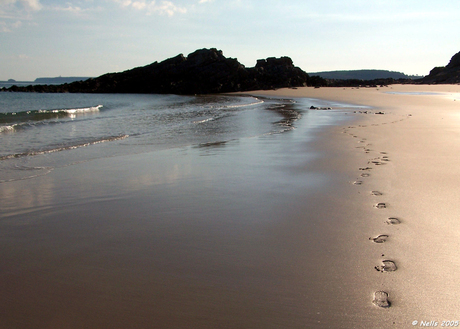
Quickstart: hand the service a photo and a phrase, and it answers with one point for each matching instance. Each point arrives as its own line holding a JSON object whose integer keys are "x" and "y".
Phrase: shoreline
{"x": 274, "y": 231}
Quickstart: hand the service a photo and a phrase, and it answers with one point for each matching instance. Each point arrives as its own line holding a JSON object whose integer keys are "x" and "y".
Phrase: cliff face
{"x": 445, "y": 74}
{"x": 201, "y": 72}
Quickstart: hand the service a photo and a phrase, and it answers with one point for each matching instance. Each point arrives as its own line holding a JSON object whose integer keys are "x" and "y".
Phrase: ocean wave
{"x": 221, "y": 105}
{"x": 63, "y": 148}
{"x": 74, "y": 111}
{"x": 203, "y": 121}
{"x": 10, "y": 128}
{"x": 257, "y": 102}
{"x": 39, "y": 115}
{"x": 7, "y": 128}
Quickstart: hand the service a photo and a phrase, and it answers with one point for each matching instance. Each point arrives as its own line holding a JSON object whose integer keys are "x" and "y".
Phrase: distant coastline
{"x": 42, "y": 81}
{"x": 208, "y": 71}
{"x": 370, "y": 74}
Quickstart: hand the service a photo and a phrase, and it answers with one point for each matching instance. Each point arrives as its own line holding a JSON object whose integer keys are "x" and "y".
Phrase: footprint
{"x": 358, "y": 182}
{"x": 380, "y": 205}
{"x": 376, "y": 193}
{"x": 365, "y": 175}
{"x": 380, "y": 239}
{"x": 388, "y": 266}
{"x": 381, "y": 299}
{"x": 365, "y": 168}
{"x": 393, "y": 221}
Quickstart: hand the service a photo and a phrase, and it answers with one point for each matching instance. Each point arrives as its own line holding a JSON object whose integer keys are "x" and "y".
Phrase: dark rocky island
{"x": 201, "y": 72}
{"x": 449, "y": 74}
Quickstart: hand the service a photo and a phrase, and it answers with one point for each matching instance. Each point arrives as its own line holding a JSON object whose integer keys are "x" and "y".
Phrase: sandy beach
{"x": 361, "y": 231}
{"x": 406, "y": 150}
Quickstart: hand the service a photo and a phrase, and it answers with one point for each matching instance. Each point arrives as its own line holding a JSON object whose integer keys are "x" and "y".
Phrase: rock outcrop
{"x": 445, "y": 74}
{"x": 201, "y": 72}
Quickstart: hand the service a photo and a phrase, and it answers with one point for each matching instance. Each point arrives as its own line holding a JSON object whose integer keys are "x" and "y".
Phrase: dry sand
{"x": 412, "y": 152}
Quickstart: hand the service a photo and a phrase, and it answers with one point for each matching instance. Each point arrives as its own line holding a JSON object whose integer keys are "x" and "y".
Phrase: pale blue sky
{"x": 45, "y": 38}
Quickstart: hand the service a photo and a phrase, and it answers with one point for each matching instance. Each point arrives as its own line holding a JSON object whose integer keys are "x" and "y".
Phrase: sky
{"x": 50, "y": 38}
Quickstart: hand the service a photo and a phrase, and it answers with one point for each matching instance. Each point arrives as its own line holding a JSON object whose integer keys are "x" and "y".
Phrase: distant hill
{"x": 42, "y": 81}
{"x": 12, "y": 82}
{"x": 445, "y": 74}
{"x": 59, "y": 80}
{"x": 362, "y": 75}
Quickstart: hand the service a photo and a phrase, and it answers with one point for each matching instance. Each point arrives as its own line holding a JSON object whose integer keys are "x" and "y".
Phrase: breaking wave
{"x": 10, "y": 121}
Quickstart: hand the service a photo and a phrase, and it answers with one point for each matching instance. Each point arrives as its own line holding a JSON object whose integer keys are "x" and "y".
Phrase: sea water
{"x": 41, "y": 131}
{"x": 187, "y": 212}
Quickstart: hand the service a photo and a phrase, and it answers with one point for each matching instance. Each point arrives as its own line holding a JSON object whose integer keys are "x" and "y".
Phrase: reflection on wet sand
{"x": 174, "y": 239}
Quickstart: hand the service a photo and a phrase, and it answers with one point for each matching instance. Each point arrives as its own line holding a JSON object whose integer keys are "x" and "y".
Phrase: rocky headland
{"x": 201, "y": 72}
{"x": 208, "y": 71}
{"x": 449, "y": 74}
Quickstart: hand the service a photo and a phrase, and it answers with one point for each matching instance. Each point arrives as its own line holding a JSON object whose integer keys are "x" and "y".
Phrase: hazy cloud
{"x": 4, "y": 27}
{"x": 30, "y": 5}
{"x": 6, "y": 2}
{"x": 168, "y": 8}
{"x": 75, "y": 10}
{"x": 17, "y": 9}
{"x": 153, "y": 7}
{"x": 14, "y": 11}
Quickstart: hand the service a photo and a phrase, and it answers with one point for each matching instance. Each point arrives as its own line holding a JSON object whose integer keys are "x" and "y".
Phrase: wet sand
{"x": 352, "y": 225}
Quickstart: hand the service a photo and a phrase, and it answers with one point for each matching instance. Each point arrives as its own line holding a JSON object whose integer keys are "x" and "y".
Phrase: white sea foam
{"x": 8, "y": 128}
{"x": 203, "y": 121}
{"x": 257, "y": 102}
{"x": 74, "y": 111}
